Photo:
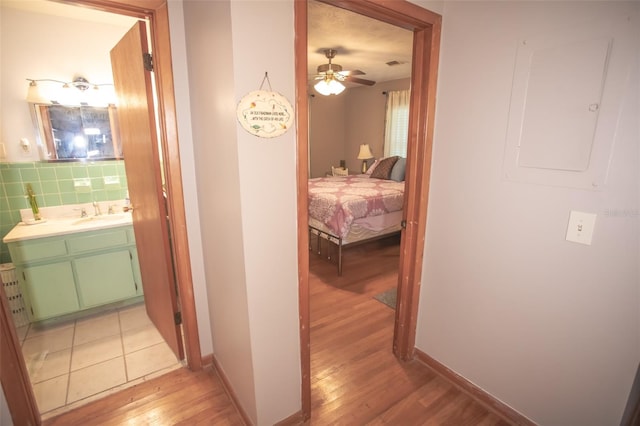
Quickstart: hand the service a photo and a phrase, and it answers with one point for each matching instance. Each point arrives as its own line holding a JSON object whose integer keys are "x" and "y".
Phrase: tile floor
{"x": 81, "y": 359}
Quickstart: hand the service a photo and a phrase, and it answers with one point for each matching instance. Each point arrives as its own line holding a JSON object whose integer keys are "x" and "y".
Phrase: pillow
{"x": 372, "y": 167}
{"x": 383, "y": 169}
{"x": 397, "y": 173}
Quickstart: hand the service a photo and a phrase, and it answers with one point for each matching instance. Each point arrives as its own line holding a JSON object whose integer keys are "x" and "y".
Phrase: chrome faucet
{"x": 96, "y": 208}
{"x": 83, "y": 213}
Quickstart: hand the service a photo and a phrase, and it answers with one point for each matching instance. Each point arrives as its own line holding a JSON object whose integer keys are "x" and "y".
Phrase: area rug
{"x": 388, "y": 298}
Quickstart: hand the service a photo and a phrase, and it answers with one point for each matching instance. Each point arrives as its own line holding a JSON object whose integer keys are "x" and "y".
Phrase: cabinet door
{"x": 105, "y": 278}
{"x": 50, "y": 290}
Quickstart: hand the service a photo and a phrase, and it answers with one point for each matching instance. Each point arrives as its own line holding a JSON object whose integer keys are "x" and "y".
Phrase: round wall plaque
{"x": 265, "y": 114}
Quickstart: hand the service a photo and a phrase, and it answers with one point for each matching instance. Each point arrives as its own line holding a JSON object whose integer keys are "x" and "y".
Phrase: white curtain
{"x": 396, "y": 132}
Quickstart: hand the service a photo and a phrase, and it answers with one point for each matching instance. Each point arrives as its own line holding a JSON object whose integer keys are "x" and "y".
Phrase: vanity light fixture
{"x": 65, "y": 96}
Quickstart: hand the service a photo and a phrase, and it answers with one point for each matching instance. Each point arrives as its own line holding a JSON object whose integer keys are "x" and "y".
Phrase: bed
{"x": 345, "y": 210}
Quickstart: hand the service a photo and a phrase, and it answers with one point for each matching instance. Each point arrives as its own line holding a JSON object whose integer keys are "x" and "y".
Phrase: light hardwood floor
{"x": 356, "y": 380}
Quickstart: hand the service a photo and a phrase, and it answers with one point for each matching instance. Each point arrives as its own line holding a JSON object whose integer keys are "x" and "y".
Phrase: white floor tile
{"x": 22, "y": 332}
{"x": 96, "y": 351}
{"x": 37, "y": 330}
{"x": 134, "y": 317}
{"x": 149, "y": 360}
{"x": 51, "y": 394}
{"x": 51, "y": 341}
{"x": 95, "y": 379}
{"x": 95, "y": 328}
{"x": 140, "y": 338}
{"x": 47, "y": 365}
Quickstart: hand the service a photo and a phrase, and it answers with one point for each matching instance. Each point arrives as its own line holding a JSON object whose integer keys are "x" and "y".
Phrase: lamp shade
{"x": 329, "y": 86}
{"x": 34, "y": 96}
{"x": 365, "y": 152}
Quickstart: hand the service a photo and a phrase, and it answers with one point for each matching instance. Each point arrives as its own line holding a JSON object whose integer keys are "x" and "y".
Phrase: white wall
{"x": 549, "y": 327}
{"x": 187, "y": 155}
{"x": 79, "y": 48}
{"x": 246, "y": 197}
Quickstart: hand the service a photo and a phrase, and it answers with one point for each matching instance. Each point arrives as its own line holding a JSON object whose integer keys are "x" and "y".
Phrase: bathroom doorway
{"x": 18, "y": 393}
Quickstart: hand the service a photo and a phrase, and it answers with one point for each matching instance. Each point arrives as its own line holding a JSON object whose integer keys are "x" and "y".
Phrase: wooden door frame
{"x": 20, "y": 398}
{"x": 426, "y": 27}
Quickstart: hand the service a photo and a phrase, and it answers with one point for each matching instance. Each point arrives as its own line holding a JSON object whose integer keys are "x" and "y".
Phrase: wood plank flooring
{"x": 356, "y": 380}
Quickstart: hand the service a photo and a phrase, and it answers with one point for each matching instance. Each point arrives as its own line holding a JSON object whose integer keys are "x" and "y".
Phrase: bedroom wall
{"x": 549, "y": 327}
{"x": 326, "y": 133}
{"x": 339, "y": 124}
{"x": 365, "y": 118}
{"x": 248, "y": 232}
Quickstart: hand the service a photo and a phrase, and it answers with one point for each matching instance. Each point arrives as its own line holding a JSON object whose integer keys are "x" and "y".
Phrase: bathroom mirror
{"x": 75, "y": 133}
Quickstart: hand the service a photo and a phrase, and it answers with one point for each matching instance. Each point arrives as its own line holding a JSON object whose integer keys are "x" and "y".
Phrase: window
{"x": 396, "y": 133}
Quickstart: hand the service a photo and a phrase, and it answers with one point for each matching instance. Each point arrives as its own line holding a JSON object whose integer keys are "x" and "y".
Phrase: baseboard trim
{"x": 229, "y": 390}
{"x": 292, "y": 420}
{"x": 207, "y": 360}
{"x": 474, "y": 391}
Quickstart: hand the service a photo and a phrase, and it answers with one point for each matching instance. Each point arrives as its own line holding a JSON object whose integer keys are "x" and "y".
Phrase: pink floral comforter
{"x": 338, "y": 201}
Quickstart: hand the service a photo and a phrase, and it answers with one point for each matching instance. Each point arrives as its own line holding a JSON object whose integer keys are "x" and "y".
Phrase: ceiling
{"x": 69, "y": 11}
{"x": 362, "y": 43}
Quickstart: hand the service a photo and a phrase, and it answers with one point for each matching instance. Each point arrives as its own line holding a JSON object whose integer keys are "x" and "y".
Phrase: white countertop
{"x": 64, "y": 226}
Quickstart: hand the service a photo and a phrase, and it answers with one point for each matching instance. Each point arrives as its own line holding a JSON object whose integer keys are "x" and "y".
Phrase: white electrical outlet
{"x": 580, "y": 229}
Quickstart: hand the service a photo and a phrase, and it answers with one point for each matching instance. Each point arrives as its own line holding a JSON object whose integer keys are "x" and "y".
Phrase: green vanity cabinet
{"x": 69, "y": 273}
{"x": 51, "y": 289}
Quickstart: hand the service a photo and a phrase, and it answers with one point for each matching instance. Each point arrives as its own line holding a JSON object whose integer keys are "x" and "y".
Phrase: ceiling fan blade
{"x": 359, "y": 81}
{"x": 352, "y": 72}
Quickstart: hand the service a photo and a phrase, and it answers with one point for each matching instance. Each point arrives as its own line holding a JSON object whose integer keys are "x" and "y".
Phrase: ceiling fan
{"x": 331, "y": 75}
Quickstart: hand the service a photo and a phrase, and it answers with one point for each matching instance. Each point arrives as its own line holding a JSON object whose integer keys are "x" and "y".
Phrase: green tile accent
{"x": 53, "y": 185}
{"x": 79, "y": 171}
{"x": 29, "y": 175}
{"x": 66, "y": 186}
{"x": 14, "y": 189}
{"x": 109, "y": 170}
{"x": 50, "y": 187}
{"x": 64, "y": 172}
{"x": 100, "y": 195}
{"x": 48, "y": 173}
{"x": 52, "y": 200}
{"x": 85, "y": 197}
{"x": 95, "y": 170}
{"x": 97, "y": 183}
{"x": 10, "y": 175}
{"x": 68, "y": 198}
{"x": 17, "y": 203}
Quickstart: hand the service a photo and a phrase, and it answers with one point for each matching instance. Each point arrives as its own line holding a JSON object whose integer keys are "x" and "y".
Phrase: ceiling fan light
{"x": 331, "y": 87}
{"x": 336, "y": 87}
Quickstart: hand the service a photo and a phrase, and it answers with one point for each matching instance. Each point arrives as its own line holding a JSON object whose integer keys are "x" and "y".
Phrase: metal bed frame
{"x": 331, "y": 238}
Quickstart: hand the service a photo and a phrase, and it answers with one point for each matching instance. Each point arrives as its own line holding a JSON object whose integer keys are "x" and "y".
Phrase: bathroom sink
{"x": 98, "y": 219}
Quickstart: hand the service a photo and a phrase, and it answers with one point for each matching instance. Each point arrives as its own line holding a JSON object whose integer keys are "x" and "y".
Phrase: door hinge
{"x": 177, "y": 318}
{"x": 148, "y": 61}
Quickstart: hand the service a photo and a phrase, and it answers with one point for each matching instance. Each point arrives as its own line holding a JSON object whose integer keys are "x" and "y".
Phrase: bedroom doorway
{"x": 425, "y": 26}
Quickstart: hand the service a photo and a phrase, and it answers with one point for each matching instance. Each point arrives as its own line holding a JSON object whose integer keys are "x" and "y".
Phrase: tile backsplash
{"x": 53, "y": 184}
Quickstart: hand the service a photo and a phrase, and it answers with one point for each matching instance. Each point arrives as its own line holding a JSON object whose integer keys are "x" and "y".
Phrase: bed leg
{"x": 340, "y": 257}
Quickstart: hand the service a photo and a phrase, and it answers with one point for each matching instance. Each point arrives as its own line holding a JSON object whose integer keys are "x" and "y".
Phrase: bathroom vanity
{"x": 70, "y": 265}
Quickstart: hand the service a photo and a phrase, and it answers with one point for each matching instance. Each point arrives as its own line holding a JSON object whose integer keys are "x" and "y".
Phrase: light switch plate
{"x": 580, "y": 229}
